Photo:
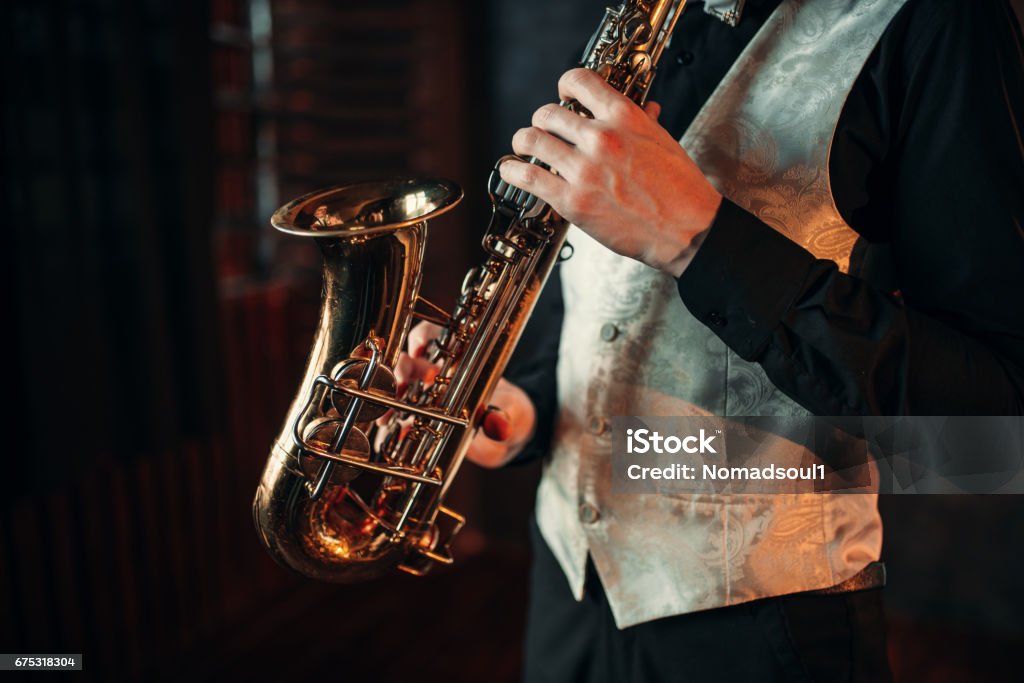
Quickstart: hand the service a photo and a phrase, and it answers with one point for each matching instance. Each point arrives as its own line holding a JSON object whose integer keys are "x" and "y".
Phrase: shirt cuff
{"x": 743, "y": 279}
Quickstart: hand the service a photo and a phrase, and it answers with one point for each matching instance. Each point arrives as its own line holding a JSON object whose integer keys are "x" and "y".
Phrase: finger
{"x": 496, "y": 424}
{"x": 534, "y": 179}
{"x": 383, "y": 420}
{"x": 404, "y": 369}
{"x": 511, "y": 405}
{"x": 559, "y": 121}
{"x": 590, "y": 90}
{"x": 420, "y": 336}
{"x": 546, "y": 147}
{"x": 409, "y": 369}
{"x": 653, "y": 110}
{"x": 487, "y": 452}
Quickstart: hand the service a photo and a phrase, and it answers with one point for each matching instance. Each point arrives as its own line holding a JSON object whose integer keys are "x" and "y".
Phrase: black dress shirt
{"x": 927, "y": 165}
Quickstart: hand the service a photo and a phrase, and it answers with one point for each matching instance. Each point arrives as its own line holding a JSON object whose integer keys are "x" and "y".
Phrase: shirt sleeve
{"x": 950, "y": 340}
{"x": 534, "y": 365}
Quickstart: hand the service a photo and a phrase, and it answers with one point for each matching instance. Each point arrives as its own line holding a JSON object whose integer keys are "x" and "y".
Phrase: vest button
{"x": 609, "y": 331}
{"x": 589, "y": 514}
{"x": 597, "y": 425}
{"x": 717, "y": 319}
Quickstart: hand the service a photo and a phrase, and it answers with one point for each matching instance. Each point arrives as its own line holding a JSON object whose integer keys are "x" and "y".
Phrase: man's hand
{"x": 507, "y": 425}
{"x": 620, "y": 176}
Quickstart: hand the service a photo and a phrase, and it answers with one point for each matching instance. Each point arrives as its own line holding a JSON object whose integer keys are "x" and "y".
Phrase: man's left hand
{"x": 620, "y": 176}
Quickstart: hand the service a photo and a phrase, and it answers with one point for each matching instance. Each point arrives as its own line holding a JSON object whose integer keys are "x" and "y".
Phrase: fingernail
{"x": 496, "y": 424}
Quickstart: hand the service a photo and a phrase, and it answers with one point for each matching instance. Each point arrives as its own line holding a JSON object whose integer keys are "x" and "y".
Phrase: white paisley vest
{"x": 630, "y": 347}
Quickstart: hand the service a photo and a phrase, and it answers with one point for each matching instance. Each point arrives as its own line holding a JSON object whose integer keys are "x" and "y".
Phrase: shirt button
{"x": 597, "y": 425}
{"x": 684, "y": 58}
{"x": 589, "y": 514}
{"x": 717, "y": 319}
{"x": 609, "y": 331}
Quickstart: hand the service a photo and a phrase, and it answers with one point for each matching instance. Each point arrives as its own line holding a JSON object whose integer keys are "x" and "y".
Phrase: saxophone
{"x": 346, "y": 495}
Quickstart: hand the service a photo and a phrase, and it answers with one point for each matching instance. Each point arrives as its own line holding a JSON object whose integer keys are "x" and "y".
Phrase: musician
{"x": 841, "y": 232}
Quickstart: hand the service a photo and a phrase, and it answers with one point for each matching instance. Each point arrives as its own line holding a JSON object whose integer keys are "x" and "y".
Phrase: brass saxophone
{"x": 342, "y": 498}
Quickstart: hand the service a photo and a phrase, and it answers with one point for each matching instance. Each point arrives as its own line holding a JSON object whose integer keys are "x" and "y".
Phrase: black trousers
{"x": 797, "y": 637}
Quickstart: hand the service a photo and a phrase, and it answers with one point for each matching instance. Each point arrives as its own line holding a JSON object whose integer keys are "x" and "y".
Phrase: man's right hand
{"x": 509, "y": 421}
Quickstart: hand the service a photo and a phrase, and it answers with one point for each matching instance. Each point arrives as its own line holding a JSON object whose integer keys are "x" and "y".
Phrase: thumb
{"x": 653, "y": 110}
{"x": 496, "y": 424}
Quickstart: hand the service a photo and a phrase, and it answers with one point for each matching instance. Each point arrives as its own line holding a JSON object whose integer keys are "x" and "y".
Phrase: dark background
{"x": 157, "y": 328}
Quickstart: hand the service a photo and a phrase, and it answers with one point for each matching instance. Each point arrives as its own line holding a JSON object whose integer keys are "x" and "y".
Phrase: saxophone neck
{"x": 628, "y": 43}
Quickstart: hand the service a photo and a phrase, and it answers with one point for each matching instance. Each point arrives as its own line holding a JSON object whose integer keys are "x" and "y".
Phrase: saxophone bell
{"x": 312, "y": 511}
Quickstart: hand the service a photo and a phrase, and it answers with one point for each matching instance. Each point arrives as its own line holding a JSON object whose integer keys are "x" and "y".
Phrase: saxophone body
{"x": 355, "y": 483}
